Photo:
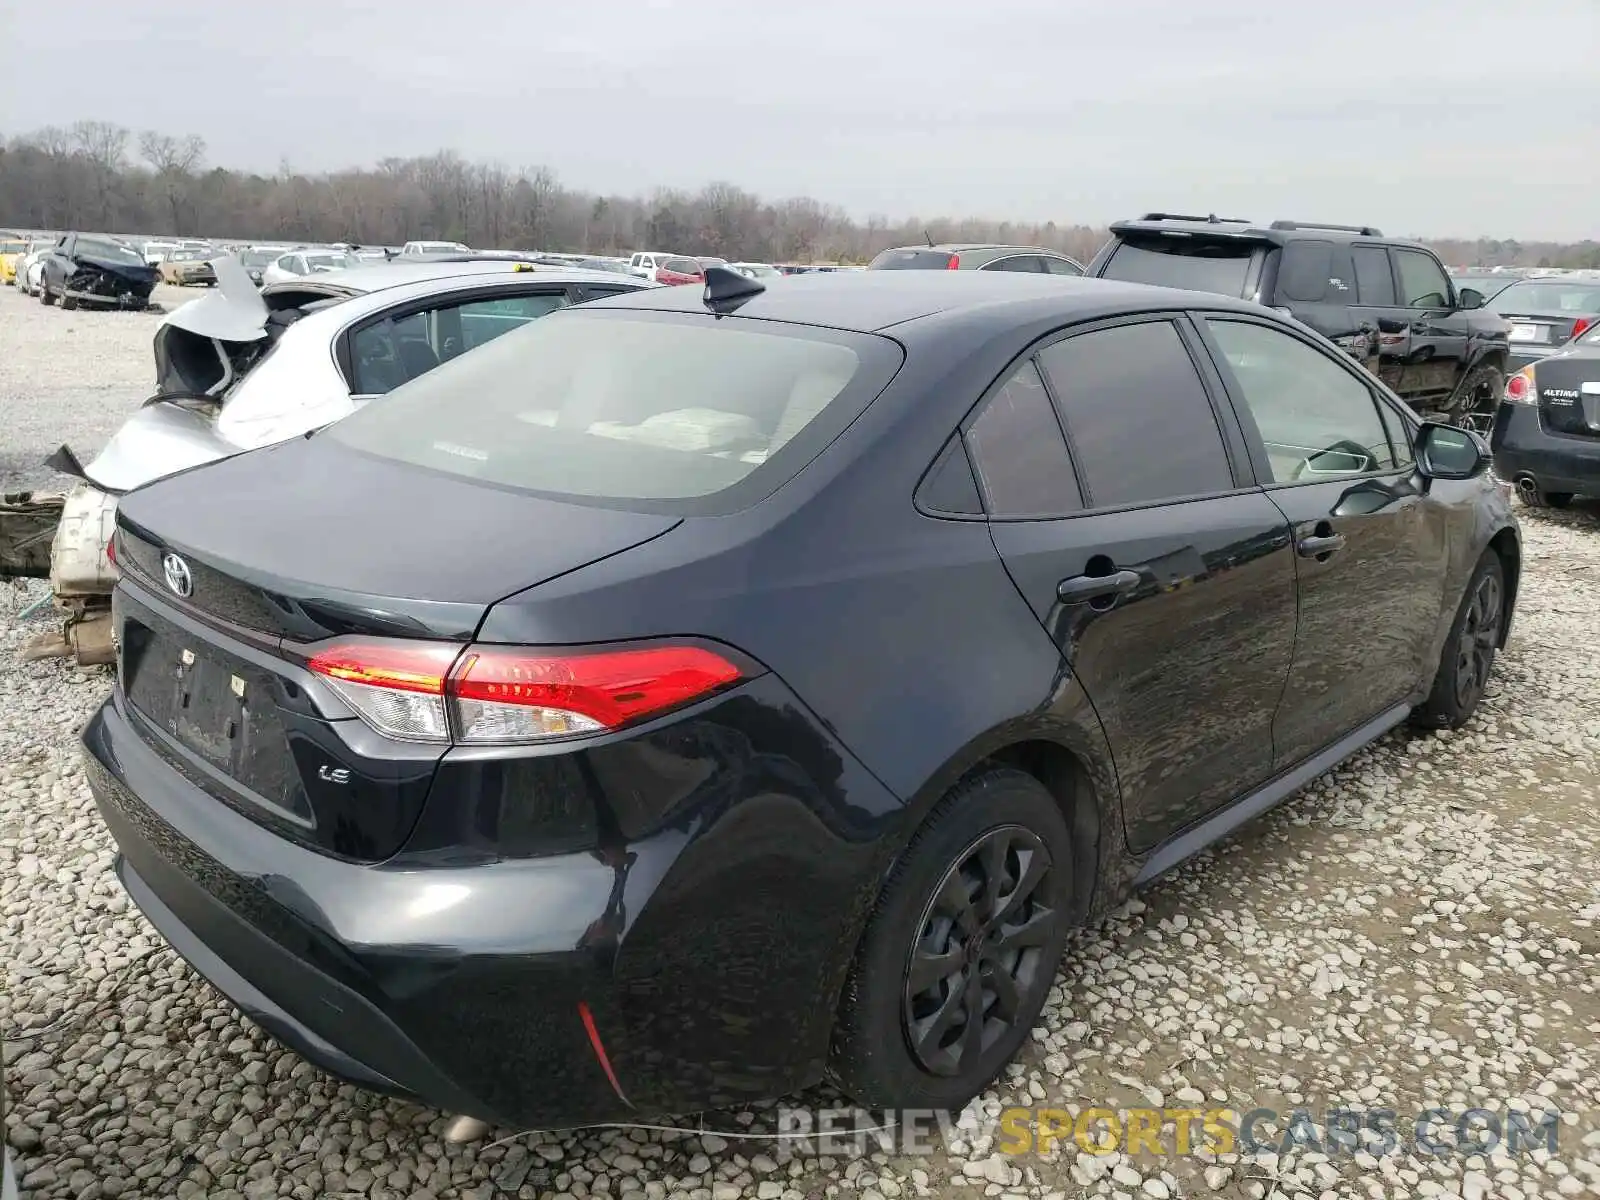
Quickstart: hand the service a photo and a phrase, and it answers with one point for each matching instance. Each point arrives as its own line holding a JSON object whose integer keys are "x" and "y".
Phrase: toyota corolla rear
{"x": 521, "y": 866}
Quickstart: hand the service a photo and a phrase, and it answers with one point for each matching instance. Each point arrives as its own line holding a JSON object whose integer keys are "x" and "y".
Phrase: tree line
{"x": 99, "y": 176}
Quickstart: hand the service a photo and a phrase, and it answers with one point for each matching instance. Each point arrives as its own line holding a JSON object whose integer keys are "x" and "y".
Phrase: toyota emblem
{"x": 177, "y": 573}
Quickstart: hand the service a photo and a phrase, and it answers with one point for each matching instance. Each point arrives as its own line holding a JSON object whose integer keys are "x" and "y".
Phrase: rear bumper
{"x": 708, "y": 952}
{"x": 1522, "y": 355}
{"x": 1558, "y": 462}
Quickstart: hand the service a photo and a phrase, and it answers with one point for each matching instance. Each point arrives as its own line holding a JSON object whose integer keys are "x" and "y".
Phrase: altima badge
{"x": 177, "y": 574}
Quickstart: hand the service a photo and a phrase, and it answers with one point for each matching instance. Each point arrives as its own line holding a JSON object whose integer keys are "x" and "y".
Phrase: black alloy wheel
{"x": 976, "y": 963}
{"x": 1478, "y": 399}
{"x": 959, "y": 954}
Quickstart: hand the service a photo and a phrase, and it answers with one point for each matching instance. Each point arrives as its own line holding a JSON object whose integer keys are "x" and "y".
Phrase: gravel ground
{"x": 1417, "y": 930}
{"x": 70, "y": 377}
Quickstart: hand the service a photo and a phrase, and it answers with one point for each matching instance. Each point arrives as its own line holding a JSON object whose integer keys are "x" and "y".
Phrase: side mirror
{"x": 1447, "y": 452}
{"x": 1471, "y": 298}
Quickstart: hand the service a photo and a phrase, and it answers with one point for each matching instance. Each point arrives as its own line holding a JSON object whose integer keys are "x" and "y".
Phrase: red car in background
{"x": 680, "y": 270}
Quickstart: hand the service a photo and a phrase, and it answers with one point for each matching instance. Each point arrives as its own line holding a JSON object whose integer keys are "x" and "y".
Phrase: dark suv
{"x": 952, "y": 256}
{"x": 1389, "y": 303}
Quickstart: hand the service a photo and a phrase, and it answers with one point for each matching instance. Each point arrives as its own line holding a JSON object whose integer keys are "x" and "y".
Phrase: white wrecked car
{"x": 238, "y": 369}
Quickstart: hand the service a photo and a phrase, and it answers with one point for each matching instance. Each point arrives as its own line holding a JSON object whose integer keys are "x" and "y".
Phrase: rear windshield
{"x": 911, "y": 259}
{"x": 1547, "y": 296}
{"x": 1192, "y": 263}
{"x": 633, "y": 409}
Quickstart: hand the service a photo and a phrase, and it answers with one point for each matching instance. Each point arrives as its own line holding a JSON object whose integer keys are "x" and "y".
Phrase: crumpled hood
{"x": 122, "y": 270}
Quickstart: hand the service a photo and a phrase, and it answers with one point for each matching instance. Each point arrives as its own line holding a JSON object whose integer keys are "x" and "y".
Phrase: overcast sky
{"x": 1440, "y": 117}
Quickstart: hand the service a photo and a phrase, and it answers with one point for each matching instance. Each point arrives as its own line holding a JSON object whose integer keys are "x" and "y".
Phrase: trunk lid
{"x": 1569, "y": 392}
{"x": 1543, "y": 329}
{"x": 211, "y": 654}
{"x": 363, "y": 545}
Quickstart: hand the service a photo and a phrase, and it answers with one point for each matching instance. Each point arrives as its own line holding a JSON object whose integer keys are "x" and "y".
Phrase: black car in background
{"x": 1547, "y": 433}
{"x": 1026, "y": 260}
{"x": 97, "y": 271}
{"x": 1389, "y": 303}
{"x": 1547, "y": 312}
{"x": 699, "y": 690}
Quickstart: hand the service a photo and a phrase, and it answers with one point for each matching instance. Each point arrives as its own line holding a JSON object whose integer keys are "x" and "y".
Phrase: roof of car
{"x": 867, "y": 301}
{"x": 1237, "y": 227}
{"x": 383, "y": 276}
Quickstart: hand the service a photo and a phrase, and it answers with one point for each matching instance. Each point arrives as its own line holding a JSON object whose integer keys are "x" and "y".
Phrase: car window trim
{"x": 345, "y": 361}
{"x": 1241, "y": 408}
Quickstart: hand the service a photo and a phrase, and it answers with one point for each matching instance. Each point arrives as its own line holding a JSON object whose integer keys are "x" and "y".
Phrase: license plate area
{"x": 1527, "y": 332}
{"x": 213, "y": 707}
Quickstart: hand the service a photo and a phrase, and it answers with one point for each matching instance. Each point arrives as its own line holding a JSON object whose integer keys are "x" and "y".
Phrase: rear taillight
{"x": 1580, "y": 325}
{"x": 954, "y": 264}
{"x": 1520, "y": 388}
{"x": 438, "y": 692}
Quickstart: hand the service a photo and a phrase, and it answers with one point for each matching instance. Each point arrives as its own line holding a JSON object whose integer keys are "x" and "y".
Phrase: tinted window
{"x": 1374, "y": 283}
{"x": 911, "y": 258}
{"x": 1422, "y": 281}
{"x": 1031, "y": 263}
{"x": 1019, "y": 453}
{"x": 1303, "y": 271}
{"x": 1316, "y": 419}
{"x": 618, "y": 407}
{"x": 949, "y": 486}
{"x": 1199, "y": 265}
{"x": 1060, "y": 266}
{"x": 1141, "y": 426}
{"x": 683, "y": 266}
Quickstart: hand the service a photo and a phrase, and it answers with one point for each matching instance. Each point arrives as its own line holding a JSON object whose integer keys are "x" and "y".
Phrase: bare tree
{"x": 80, "y": 176}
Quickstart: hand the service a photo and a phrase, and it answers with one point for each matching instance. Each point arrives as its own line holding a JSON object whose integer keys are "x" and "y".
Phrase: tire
{"x": 1531, "y": 494}
{"x": 45, "y": 298}
{"x": 1468, "y": 654}
{"x": 998, "y": 812}
{"x": 1474, "y": 403}
{"x": 67, "y": 303}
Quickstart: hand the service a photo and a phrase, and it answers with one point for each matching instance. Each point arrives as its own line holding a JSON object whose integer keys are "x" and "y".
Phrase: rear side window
{"x": 1193, "y": 263}
{"x": 1029, "y": 263}
{"x": 1060, "y": 266}
{"x": 1374, "y": 282}
{"x": 1141, "y": 426}
{"x": 1019, "y": 453}
{"x": 622, "y": 407}
{"x": 1303, "y": 271}
{"x": 911, "y": 258}
{"x": 683, "y": 266}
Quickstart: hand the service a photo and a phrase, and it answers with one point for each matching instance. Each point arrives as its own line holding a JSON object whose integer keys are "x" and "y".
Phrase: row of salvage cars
{"x": 238, "y": 369}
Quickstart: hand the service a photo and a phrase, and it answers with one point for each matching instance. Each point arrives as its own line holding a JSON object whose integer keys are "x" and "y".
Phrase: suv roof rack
{"x": 1208, "y": 219}
{"x": 1363, "y": 230}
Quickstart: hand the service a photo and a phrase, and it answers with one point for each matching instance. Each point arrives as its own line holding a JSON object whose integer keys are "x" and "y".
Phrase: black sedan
{"x": 699, "y": 690}
{"x": 1546, "y": 435}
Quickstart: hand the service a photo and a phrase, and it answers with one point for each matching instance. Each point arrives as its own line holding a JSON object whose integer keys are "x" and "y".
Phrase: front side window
{"x": 1019, "y": 453}
{"x": 1316, "y": 419}
{"x": 1140, "y": 423}
{"x": 1422, "y": 281}
{"x": 621, "y": 407}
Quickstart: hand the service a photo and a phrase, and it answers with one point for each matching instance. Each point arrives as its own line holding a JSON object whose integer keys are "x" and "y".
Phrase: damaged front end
{"x": 110, "y": 284}
{"x": 202, "y": 350}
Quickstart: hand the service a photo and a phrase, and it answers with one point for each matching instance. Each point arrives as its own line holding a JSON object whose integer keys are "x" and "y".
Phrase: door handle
{"x": 1081, "y": 588}
{"x": 1317, "y": 546}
